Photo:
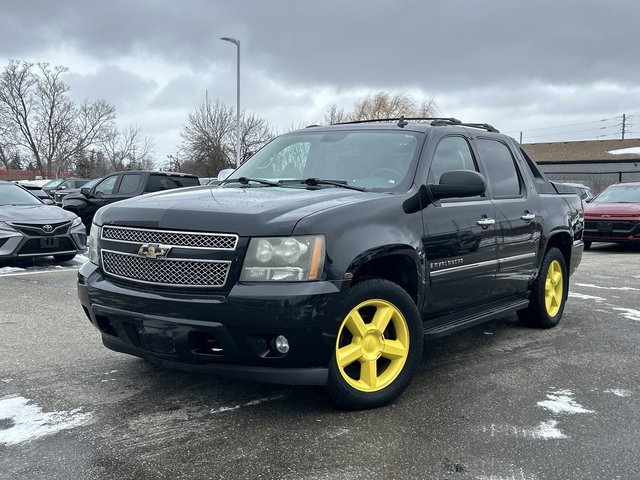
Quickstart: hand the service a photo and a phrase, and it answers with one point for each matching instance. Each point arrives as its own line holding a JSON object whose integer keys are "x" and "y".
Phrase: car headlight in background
{"x": 284, "y": 259}
{"x": 94, "y": 247}
{"x": 5, "y": 227}
{"x": 77, "y": 221}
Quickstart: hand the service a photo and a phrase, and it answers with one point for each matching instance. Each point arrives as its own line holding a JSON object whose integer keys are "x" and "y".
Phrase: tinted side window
{"x": 157, "y": 183}
{"x": 106, "y": 186}
{"x": 130, "y": 183}
{"x": 179, "y": 181}
{"x": 501, "y": 168}
{"x": 452, "y": 153}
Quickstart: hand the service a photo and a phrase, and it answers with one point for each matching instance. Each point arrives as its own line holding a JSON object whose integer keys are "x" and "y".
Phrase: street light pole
{"x": 236, "y": 42}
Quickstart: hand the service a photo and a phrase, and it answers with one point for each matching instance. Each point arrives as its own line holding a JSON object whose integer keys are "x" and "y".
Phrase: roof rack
{"x": 435, "y": 122}
{"x": 402, "y": 120}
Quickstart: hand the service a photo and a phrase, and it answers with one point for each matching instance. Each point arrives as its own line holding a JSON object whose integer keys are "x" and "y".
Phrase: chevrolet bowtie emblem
{"x": 153, "y": 250}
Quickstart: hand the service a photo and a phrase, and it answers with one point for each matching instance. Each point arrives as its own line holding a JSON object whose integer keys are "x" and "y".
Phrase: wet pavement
{"x": 499, "y": 401}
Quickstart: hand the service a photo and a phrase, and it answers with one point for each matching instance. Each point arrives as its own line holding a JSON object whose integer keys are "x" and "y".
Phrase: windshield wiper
{"x": 246, "y": 181}
{"x": 316, "y": 182}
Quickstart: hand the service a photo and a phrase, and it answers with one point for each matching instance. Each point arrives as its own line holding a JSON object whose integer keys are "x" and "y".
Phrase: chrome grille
{"x": 166, "y": 271}
{"x": 214, "y": 241}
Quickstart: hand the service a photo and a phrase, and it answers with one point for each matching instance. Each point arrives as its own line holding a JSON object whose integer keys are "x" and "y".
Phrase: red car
{"x": 614, "y": 215}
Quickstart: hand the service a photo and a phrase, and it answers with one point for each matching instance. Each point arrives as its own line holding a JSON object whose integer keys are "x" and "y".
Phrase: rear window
{"x": 157, "y": 183}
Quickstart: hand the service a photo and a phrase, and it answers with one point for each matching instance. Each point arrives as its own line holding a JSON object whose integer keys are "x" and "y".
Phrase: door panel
{"x": 520, "y": 230}
{"x": 461, "y": 255}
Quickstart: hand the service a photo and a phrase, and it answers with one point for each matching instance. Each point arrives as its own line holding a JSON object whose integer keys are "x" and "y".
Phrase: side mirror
{"x": 85, "y": 191}
{"x": 223, "y": 174}
{"x": 48, "y": 201}
{"x": 457, "y": 184}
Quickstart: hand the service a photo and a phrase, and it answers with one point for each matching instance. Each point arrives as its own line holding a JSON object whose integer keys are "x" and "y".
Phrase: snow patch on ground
{"x": 248, "y": 404}
{"x": 624, "y": 151}
{"x": 629, "y": 313}
{"x": 27, "y": 421}
{"x": 560, "y": 402}
{"x": 625, "y": 289}
{"x": 620, "y": 392}
{"x": 586, "y": 297}
{"x": 8, "y": 270}
{"x": 545, "y": 431}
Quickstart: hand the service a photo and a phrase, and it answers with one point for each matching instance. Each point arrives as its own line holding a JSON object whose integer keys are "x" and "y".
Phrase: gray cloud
{"x": 521, "y": 62}
{"x": 124, "y": 89}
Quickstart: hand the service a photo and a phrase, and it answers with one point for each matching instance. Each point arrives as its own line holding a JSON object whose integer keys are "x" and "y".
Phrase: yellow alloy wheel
{"x": 553, "y": 289}
{"x": 372, "y": 345}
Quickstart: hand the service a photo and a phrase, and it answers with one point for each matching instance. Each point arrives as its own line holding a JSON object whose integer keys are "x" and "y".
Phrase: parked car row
{"x": 32, "y": 224}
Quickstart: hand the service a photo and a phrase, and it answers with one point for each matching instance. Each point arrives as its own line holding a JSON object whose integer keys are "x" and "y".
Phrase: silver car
{"x": 29, "y": 228}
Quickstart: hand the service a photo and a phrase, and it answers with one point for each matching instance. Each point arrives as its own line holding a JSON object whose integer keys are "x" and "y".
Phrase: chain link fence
{"x": 597, "y": 181}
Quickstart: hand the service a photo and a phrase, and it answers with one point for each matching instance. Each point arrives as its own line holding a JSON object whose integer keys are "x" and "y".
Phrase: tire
{"x": 64, "y": 258}
{"x": 587, "y": 244}
{"x": 378, "y": 346}
{"x": 549, "y": 292}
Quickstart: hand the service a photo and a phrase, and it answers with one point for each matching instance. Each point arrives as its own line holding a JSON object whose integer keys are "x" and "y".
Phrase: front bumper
{"x": 28, "y": 243}
{"x": 613, "y": 229}
{"x": 229, "y": 334}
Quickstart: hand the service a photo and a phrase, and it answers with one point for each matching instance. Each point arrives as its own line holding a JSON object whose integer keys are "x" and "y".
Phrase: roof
{"x": 584, "y": 151}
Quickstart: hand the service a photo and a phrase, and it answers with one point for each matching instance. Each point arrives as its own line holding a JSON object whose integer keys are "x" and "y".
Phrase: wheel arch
{"x": 399, "y": 264}
{"x": 563, "y": 241}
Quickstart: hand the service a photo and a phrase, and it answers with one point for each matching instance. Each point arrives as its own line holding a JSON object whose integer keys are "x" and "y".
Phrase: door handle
{"x": 527, "y": 217}
{"x": 485, "y": 222}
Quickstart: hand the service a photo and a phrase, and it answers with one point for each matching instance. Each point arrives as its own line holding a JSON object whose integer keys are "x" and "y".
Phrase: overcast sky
{"x": 520, "y": 65}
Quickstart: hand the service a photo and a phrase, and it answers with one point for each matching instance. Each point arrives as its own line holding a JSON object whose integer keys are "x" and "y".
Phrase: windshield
{"x": 14, "y": 195}
{"x": 91, "y": 183}
{"x": 374, "y": 160}
{"x": 53, "y": 183}
{"x": 620, "y": 194}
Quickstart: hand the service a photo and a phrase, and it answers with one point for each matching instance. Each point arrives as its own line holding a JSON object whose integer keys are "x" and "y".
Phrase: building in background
{"x": 595, "y": 163}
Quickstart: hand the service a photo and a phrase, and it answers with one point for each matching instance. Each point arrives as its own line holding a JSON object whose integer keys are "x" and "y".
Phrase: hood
{"x": 245, "y": 211}
{"x": 618, "y": 209}
{"x": 34, "y": 213}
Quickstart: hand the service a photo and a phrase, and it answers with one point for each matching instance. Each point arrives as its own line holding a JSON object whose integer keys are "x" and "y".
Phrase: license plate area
{"x": 49, "y": 242}
{"x": 159, "y": 340}
{"x": 604, "y": 226}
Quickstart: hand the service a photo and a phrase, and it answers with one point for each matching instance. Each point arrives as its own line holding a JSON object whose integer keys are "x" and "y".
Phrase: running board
{"x": 453, "y": 323}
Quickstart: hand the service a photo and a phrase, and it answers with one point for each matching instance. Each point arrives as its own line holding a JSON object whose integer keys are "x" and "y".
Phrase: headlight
{"x": 5, "y": 227}
{"x": 94, "y": 246}
{"x": 77, "y": 221}
{"x": 283, "y": 259}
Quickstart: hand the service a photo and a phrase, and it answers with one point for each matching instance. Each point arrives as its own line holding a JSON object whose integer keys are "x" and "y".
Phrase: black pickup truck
{"x": 328, "y": 256}
{"x": 120, "y": 186}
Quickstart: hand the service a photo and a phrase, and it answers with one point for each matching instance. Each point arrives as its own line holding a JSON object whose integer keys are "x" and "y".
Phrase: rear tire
{"x": 549, "y": 292}
{"x": 378, "y": 346}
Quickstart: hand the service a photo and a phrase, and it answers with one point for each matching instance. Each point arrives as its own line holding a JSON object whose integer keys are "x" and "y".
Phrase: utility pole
{"x": 520, "y": 138}
{"x": 624, "y": 124}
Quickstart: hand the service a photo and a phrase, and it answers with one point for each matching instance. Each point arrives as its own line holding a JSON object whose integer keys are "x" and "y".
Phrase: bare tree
{"x": 335, "y": 115}
{"x": 383, "y": 105}
{"x": 207, "y": 139}
{"x": 126, "y": 150}
{"x": 254, "y": 133}
{"x": 43, "y": 118}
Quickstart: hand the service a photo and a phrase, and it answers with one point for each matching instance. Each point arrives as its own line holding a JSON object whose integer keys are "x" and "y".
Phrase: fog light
{"x": 282, "y": 344}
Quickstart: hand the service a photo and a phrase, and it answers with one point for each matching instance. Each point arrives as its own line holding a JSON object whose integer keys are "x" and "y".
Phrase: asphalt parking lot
{"x": 495, "y": 402}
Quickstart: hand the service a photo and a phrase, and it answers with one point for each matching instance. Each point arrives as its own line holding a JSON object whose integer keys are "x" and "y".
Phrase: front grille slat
{"x": 166, "y": 271}
{"x": 213, "y": 241}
